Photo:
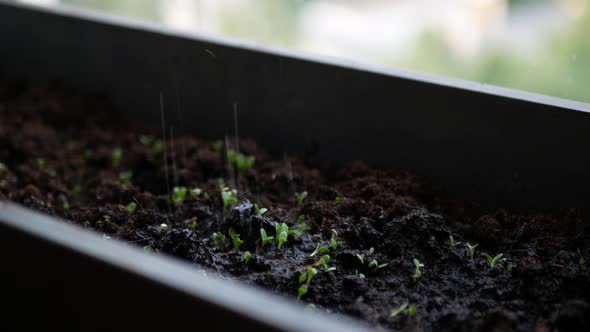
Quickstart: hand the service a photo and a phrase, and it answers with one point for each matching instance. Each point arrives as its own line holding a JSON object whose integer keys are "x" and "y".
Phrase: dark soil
{"x": 57, "y": 157}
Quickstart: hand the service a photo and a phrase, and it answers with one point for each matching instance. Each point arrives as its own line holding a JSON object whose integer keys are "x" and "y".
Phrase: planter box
{"x": 500, "y": 146}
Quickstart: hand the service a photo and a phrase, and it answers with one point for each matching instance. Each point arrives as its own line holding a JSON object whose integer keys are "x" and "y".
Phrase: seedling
{"x": 361, "y": 258}
{"x": 228, "y": 196}
{"x": 241, "y": 161}
{"x": 404, "y": 308}
{"x": 217, "y": 146}
{"x": 282, "y": 238}
{"x": 235, "y": 238}
{"x": 371, "y": 250}
{"x": 125, "y": 178}
{"x": 148, "y": 248}
{"x": 40, "y": 163}
{"x": 471, "y": 249}
{"x": 452, "y": 242}
{"x": 310, "y": 308}
{"x": 65, "y": 203}
{"x": 375, "y": 264}
{"x": 163, "y": 227}
{"x": 417, "y": 273}
{"x": 117, "y": 156}
{"x": 131, "y": 207}
{"x": 582, "y": 261}
{"x": 178, "y": 195}
{"x": 360, "y": 275}
{"x": 2, "y": 168}
{"x": 324, "y": 262}
{"x": 338, "y": 200}
{"x": 265, "y": 238}
{"x": 305, "y": 279}
{"x": 321, "y": 250}
{"x": 258, "y": 210}
{"x": 494, "y": 260}
{"x": 218, "y": 237}
{"x": 334, "y": 244}
{"x": 76, "y": 191}
{"x": 301, "y": 218}
{"x": 300, "y": 197}
{"x": 247, "y": 257}
{"x": 283, "y": 232}
{"x": 192, "y": 224}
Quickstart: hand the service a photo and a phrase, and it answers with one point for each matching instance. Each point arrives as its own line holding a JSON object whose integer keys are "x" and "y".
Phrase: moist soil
{"x": 56, "y": 149}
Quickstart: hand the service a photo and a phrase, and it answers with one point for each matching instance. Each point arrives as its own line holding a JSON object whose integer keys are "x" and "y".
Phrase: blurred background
{"x": 540, "y": 46}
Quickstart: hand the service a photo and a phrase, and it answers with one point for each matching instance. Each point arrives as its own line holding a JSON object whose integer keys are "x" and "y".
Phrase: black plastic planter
{"x": 502, "y": 146}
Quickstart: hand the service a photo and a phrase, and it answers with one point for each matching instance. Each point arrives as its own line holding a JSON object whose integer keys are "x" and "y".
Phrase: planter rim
{"x": 455, "y": 83}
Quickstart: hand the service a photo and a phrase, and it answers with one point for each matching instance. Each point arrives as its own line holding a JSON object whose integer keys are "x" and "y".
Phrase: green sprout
{"x": 360, "y": 275}
{"x": 117, "y": 156}
{"x": 195, "y": 192}
{"x": 218, "y": 237}
{"x": 371, "y": 250}
{"x": 321, "y": 250}
{"x": 265, "y": 238}
{"x": 217, "y": 146}
{"x": 324, "y": 262}
{"x": 3, "y": 168}
{"x": 300, "y": 197}
{"x": 282, "y": 231}
{"x": 582, "y": 261}
{"x": 76, "y": 191}
{"x": 125, "y": 178}
{"x": 304, "y": 280}
{"x": 310, "y": 308}
{"x": 87, "y": 154}
{"x": 163, "y": 227}
{"x": 374, "y": 263}
{"x": 235, "y": 238}
{"x": 452, "y": 242}
{"x": 494, "y": 260}
{"x": 334, "y": 244}
{"x": 178, "y": 195}
{"x": 471, "y": 249}
{"x": 404, "y": 308}
{"x": 65, "y": 203}
{"x": 301, "y": 218}
{"x": 247, "y": 257}
{"x": 228, "y": 196}
{"x": 338, "y": 200}
{"x": 258, "y": 210}
{"x": 40, "y": 163}
{"x": 131, "y": 207}
{"x": 361, "y": 258}
{"x": 417, "y": 273}
{"x": 148, "y": 248}
{"x": 241, "y": 161}
{"x": 192, "y": 223}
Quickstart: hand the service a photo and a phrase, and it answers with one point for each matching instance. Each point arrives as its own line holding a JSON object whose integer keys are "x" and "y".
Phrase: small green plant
{"x": 304, "y": 280}
{"x": 3, "y": 168}
{"x": 131, "y": 207}
{"x": 282, "y": 233}
{"x": 492, "y": 261}
{"x": 324, "y": 262}
{"x": 360, "y": 275}
{"x": 116, "y": 156}
{"x": 361, "y": 258}
{"x": 265, "y": 238}
{"x": 235, "y": 238}
{"x": 242, "y": 162}
{"x": 301, "y": 218}
{"x": 217, "y": 146}
{"x": 417, "y": 273}
{"x": 509, "y": 267}
{"x": 258, "y": 210}
{"x": 218, "y": 237}
{"x": 404, "y": 308}
{"x": 40, "y": 163}
{"x": 178, "y": 195}
{"x": 163, "y": 227}
{"x": 452, "y": 242}
{"x": 76, "y": 191}
{"x": 334, "y": 244}
{"x": 300, "y": 197}
{"x": 148, "y": 248}
{"x": 371, "y": 250}
{"x": 195, "y": 192}
{"x": 125, "y": 178}
{"x": 471, "y": 249}
{"x": 582, "y": 261}
{"x": 65, "y": 203}
{"x": 338, "y": 200}
{"x": 192, "y": 223}
{"x": 310, "y": 308}
{"x": 321, "y": 250}
{"x": 247, "y": 257}
{"x": 228, "y": 196}
{"x": 375, "y": 264}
